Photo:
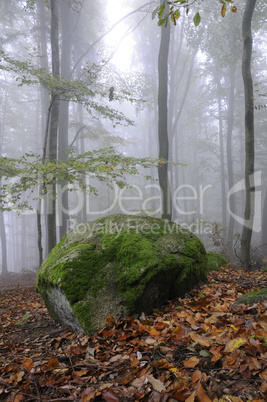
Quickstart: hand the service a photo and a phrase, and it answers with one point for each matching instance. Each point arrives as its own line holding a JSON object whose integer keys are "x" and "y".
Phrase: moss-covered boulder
{"x": 253, "y": 297}
{"x": 215, "y": 261}
{"x": 119, "y": 265}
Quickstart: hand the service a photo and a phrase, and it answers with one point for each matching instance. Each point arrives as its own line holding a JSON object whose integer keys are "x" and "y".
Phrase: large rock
{"x": 119, "y": 265}
{"x": 215, "y": 261}
{"x": 256, "y": 296}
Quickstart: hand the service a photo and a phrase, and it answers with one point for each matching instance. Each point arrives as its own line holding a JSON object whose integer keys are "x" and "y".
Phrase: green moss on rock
{"x": 215, "y": 261}
{"x": 119, "y": 265}
{"x": 255, "y": 296}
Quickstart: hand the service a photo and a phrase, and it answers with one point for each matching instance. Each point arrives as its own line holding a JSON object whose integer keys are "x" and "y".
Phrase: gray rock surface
{"x": 253, "y": 297}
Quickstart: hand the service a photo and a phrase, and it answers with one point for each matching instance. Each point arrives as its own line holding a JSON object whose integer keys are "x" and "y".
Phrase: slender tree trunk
{"x": 229, "y": 145}
{"x": 53, "y": 136}
{"x": 45, "y": 115}
{"x": 3, "y": 242}
{"x": 163, "y": 121}
{"x": 181, "y": 106}
{"x": 43, "y": 61}
{"x": 24, "y": 236}
{"x": 264, "y": 226}
{"x": 66, "y": 19}
{"x": 249, "y": 134}
{"x": 174, "y": 121}
{"x": 2, "y": 222}
{"x": 222, "y": 162}
{"x": 83, "y": 212}
{"x": 176, "y": 77}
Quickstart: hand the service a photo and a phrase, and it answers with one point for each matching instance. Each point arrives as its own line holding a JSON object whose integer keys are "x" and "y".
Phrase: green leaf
{"x": 161, "y": 10}
{"x": 161, "y": 22}
{"x": 177, "y": 14}
{"x": 154, "y": 13}
{"x": 31, "y": 170}
{"x": 197, "y": 19}
{"x": 204, "y": 353}
{"x": 174, "y": 16}
{"x": 223, "y": 11}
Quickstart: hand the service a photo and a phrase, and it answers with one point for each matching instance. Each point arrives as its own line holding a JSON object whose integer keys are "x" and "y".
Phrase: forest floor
{"x": 202, "y": 347}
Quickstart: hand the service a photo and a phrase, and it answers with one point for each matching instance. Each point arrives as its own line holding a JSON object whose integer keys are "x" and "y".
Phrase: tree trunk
{"x": 249, "y": 134}
{"x": 264, "y": 226}
{"x": 2, "y": 222}
{"x": 229, "y": 145}
{"x": 3, "y": 242}
{"x": 163, "y": 121}
{"x": 53, "y": 135}
{"x": 45, "y": 115}
{"x": 222, "y": 162}
{"x": 64, "y": 110}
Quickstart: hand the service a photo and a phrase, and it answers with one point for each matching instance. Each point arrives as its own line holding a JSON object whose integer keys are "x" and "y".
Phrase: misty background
{"x": 114, "y": 46}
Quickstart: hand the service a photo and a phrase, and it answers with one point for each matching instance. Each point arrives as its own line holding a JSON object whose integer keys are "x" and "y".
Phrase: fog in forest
{"x": 103, "y": 80}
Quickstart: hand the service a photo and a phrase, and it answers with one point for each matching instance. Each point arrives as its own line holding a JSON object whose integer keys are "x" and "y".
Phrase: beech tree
{"x": 249, "y": 134}
{"x": 54, "y": 122}
{"x": 163, "y": 134}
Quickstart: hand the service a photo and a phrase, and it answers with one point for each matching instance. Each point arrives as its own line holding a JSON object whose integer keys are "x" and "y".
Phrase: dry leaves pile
{"x": 200, "y": 348}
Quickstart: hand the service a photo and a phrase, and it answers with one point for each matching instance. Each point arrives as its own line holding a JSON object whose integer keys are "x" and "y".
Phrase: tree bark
{"x": 45, "y": 118}
{"x": 3, "y": 242}
{"x": 54, "y": 121}
{"x": 222, "y": 163}
{"x": 229, "y": 145}
{"x": 264, "y": 226}
{"x": 163, "y": 121}
{"x": 249, "y": 134}
{"x": 2, "y": 221}
{"x": 64, "y": 111}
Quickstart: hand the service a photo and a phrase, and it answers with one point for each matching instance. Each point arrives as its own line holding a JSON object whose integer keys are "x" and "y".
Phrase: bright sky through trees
{"x": 119, "y": 38}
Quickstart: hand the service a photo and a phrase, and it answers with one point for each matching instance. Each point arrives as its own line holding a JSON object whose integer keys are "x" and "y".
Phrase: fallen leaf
{"x": 192, "y": 362}
{"x": 156, "y": 384}
{"x": 139, "y": 355}
{"x": 263, "y": 387}
{"x": 28, "y": 365}
{"x": 81, "y": 373}
{"x": 198, "y": 338}
{"x": 19, "y": 398}
{"x": 110, "y": 396}
{"x": 201, "y": 396}
{"x": 115, "y": 358}
{"x": 230, "y": 398}
{"x": 192, "y": 397}
{"x": 88, "y": 394}
{"x": 110, "y": 321}
{"x": 139, "y": 382}
{"x": 216, "y": 353}
{"x": 234, "y": 344}
{"x": 263, "y": 375}
{"x": 198, "y": 396}
{"x": 150, "y": 341}
{"x": 153, "y": 332}
{"x": 196, "y": 377}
